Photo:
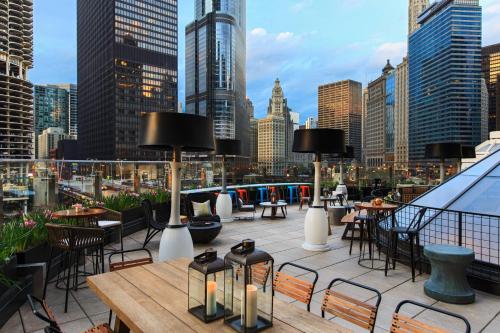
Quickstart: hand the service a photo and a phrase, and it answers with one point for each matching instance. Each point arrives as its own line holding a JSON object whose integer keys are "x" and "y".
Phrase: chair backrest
{"x": 359, "y": 313}
{"x": 199, "y": 197}
{"x": 69, "y": 237}
{"x": 260, "y": 273}
{"x": 405, "y": 324}
{"x": 293, "y": 287}
{"x": 417, "y": 219}
{"x": 148, "y": 211}
{"x": 47, "y": 316}
{"x": 119, "y": 265}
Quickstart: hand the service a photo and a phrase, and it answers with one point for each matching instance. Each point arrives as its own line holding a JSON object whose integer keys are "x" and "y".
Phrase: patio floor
{"x": 283, "y": 240}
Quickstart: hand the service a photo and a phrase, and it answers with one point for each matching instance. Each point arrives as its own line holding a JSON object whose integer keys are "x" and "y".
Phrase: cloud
{"x": 258, "y": 32}
{"x": 301, "y": 5}
{"x": 491, "y": 23}
{"x": 284, "y": 36}
{"x": 394, "y": 51}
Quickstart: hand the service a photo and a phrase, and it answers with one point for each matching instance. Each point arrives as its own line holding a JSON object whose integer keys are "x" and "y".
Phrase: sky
{"x": 304, "y": 43}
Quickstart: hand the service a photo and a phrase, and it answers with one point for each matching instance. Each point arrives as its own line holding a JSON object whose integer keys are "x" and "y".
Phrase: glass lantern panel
{"x": 196, "y": 289}
{"x": 262, "y": 276}
{"x": 231, "y": 304}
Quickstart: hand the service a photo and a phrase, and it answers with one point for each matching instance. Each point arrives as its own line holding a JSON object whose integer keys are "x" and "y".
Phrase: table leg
{"x": 283, "y": 212}
{"x": 273, "y": 212}
{"x": 263, "y": 210}
{"x": 120, "y": 326}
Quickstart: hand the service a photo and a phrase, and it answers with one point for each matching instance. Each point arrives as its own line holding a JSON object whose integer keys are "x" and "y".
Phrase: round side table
{"x": 448, "y": 281}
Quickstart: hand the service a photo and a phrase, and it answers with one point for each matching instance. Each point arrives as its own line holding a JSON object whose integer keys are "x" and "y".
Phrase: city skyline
{"x": 295, "y": 50}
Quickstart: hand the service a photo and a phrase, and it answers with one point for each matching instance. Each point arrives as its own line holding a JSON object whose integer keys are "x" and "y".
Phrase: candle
{"x": 251, "y": 306}
{"x": 211, "y": 298}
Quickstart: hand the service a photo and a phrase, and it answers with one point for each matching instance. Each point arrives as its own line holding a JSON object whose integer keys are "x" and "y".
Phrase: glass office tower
{"x": 127, "y": 65}
{"x": 390, "y": 92}
{"x": 444, "y": 57}
{"x": 215, "y": 67}
{"x": 491, "y": 73}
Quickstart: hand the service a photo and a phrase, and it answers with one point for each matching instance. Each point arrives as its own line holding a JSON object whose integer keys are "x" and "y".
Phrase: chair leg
{"x": 419, "y": 254}
{"x": 352, "y": 240}
{"x": 412, "y": 258}
{"x": 388, "y": 251}
{"x": 110, "y": 317}
{"x": 102, "y": 258}
{"x": 120, "y": 230}
{"x": 361, "y": 237}
{"x": 67, "y": 282}
{"x": 146, "y": 239}
{"x": 47, "y": 275}
{"x": 395, "y": 251}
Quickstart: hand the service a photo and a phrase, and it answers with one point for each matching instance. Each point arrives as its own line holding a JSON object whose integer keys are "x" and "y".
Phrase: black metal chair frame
{"x": 53, "y": 325}
{"x": 241, "y": 209}
{"x": 431, "y": 308}
{"x": 154, "y": 227}
{"x": 412, "y": 232}
{"x": 316, "y": 277}
{"x": 72, "y": 249}
{"x": 379, "y": 295}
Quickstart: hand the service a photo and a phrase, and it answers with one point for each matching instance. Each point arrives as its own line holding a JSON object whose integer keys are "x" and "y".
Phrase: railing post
{"x": 460, "y": 229}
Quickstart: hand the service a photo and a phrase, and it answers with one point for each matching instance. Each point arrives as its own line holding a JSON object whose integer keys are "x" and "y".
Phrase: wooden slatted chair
{"x": 124, "y": 264}
{"x": 405, "y": 324}
{"x": 260, "y": 273}
{"x": 49, "y": 318}
{"x": 293, "y": 287}
{"x": 359, "y": 313}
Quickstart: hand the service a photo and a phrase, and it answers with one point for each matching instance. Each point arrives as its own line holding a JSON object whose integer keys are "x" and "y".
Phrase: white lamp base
{"x": 316, "y": 230}
{"x": 342, "y": 188}
{"x": 224, "y": 207}
{"x": 176, "y": 243}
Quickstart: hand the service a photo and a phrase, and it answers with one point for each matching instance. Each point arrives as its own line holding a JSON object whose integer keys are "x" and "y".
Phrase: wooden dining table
{"x": 153, "y": 298}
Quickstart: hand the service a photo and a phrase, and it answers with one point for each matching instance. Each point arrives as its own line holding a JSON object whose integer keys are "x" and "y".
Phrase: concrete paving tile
{"x": 13, "y": 325}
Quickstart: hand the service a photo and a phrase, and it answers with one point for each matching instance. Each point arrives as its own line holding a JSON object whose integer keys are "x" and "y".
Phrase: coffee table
{"x": 274, "y": 209}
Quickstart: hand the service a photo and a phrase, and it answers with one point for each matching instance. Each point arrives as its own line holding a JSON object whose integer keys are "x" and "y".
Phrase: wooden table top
{"x": 369, "y": 206}
{"x": 153, "y": 298}
{"x": 81, "y": 214}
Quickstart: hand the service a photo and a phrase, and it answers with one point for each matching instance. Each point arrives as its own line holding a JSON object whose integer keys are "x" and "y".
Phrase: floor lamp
{"x": 224, "y": 205}
{"x": 349, "y": 153}
{"x": 317, "y": 141}
{"x": 441, "y": 152}
{"x": 176, "y": 132}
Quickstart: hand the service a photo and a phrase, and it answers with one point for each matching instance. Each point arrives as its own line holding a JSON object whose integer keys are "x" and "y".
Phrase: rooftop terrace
{"x": 283, "y": 240}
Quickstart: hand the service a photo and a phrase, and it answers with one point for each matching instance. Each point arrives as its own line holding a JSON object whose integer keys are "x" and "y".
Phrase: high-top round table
{"x": 83, "y": 216}
{"x": 448, "y": 281}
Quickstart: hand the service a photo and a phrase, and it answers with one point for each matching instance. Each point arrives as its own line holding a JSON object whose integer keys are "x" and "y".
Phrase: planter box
{"x": 11, "y": 299}
{"x": 133, "y": 219}
{"x": 40, "y": 254}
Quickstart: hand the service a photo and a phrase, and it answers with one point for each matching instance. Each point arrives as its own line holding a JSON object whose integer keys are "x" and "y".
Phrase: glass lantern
{"x": 248, "y": 288}
{"x": 204, "y": 294}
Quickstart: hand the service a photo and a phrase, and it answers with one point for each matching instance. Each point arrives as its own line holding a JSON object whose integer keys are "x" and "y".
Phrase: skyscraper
{"x": 364, "y": 111}
{"x": 51, "y": 105}
{"x": 253, "y": 133}
{"x": 491, "y": 73}
{"x": 379, "y": 123}
{"x": 415, "y": 8}
{"x": 444, "y": 58}
{"x": 16, "y": 92}
{"x": 72, "y": 90}
{"x": 311, "y": 123}
{"x": 401, "y": 115}
{"x": 339, "y": 106}
{"x": 484, "y": 111}
{"x": 275, "y": 134}
{"x": 216, "y": 67}
{"x": 127, "y": 65}
{"x": 47, "y": 141}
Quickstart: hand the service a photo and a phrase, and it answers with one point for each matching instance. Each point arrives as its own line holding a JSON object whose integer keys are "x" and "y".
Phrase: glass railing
{"x": 31, "y": 183}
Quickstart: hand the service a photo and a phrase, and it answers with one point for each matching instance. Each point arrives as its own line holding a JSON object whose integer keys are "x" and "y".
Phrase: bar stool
{"x": 305, "y": 191}
{"x": 243, "y": 194}
{"x": 293, "y": 194}
{"x": 263, "y": 193}
{"x": 234, "y": 197}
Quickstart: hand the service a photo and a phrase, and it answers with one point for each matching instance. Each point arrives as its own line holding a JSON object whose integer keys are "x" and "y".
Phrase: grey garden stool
{"x": 448, "y": 281}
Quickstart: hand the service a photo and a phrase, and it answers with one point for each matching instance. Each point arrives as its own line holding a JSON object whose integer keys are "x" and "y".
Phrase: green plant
{"x": 157, "y": 196}
{"x": 329, "y": 183}
{"x": 122, "y": 201}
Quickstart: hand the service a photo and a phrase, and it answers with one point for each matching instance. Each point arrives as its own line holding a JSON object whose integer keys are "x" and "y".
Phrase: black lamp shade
{"x": 166, "y": 130}
{"x": 349, "y": 153}
{"x": 443, "y": 150}
{"x": 227, "y": 147}
{"x": 319, "y": 141}
{"x": 468, "y": 152}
